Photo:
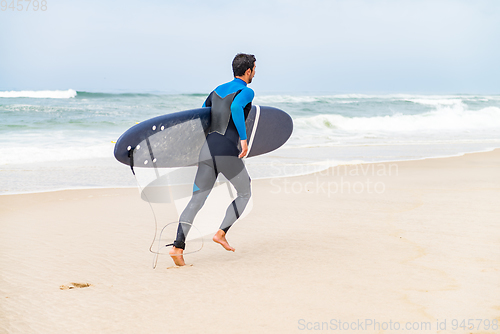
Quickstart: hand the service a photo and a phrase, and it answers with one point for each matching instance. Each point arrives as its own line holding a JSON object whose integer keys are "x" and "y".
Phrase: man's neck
{"x": 245, "y": 80}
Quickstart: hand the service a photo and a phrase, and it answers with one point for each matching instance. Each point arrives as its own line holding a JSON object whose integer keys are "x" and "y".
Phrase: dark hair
{"x": 242, "y": 62}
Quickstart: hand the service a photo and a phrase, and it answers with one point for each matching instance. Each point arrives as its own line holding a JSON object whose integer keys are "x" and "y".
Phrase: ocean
{"x": 53, "y": 140}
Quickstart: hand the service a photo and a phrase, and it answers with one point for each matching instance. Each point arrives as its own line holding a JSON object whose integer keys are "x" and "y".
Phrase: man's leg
{"x": 234, "y": 170}
{"x": 206, "y": 176}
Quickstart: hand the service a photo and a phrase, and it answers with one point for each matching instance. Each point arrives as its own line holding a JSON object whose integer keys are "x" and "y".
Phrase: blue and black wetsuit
{"x": 231, "y": 104}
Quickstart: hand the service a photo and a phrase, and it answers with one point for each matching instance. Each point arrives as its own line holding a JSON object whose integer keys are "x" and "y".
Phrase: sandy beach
{"x": 413, "y": 243}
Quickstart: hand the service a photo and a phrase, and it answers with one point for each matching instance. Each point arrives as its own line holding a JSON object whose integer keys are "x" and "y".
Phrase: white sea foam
{"x": 33, "y": 154}
{"x": 42, "y": 94}
{"x": 267, "y": 99}
{"x": 434, "y": 100}
{"x": 455, "y": 117}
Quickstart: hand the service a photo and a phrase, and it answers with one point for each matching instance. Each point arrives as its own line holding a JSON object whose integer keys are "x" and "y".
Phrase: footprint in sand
{"x": 74, "y": 286}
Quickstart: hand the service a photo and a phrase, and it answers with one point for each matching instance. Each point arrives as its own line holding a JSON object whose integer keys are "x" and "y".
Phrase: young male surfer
{"x": 230, "y": 102}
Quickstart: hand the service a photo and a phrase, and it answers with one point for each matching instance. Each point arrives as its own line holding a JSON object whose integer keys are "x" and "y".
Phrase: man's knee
{"x": 198, "y": 200}
{"x": 246, "y": 193}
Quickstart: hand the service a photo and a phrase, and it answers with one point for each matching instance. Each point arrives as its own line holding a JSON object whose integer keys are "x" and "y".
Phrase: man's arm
{"x": 240, "y": 101}
{"x": 237, "y": 112}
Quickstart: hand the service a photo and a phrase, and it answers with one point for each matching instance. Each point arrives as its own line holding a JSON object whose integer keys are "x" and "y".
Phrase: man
{"x": 230, "y": 102}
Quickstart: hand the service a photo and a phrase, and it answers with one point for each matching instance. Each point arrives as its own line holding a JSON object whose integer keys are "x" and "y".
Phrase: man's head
{"x": 244, "y": 67}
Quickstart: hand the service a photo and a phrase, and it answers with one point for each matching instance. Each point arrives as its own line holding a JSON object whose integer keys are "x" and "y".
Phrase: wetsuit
{"x": 231, "y": 104}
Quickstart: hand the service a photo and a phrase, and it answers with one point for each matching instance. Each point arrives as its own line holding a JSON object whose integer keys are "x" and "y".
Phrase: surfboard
{"x": 175, "y": 140}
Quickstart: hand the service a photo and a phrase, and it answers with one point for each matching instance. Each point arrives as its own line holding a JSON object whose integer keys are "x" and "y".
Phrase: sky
{"x": 186, "y": 46}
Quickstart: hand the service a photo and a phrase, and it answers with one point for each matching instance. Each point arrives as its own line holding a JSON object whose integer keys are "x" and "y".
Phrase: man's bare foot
{"x": 220, "y": 238}
{"x": 176, "y": 254}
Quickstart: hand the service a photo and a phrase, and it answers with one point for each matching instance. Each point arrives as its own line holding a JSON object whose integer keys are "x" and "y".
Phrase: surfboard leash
{"x": 131, "y": 159}
{"x": 141, "y": 191}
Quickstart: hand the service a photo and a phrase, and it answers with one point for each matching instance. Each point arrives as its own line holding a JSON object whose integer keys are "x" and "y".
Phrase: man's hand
{"x": 244, "y": 148}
